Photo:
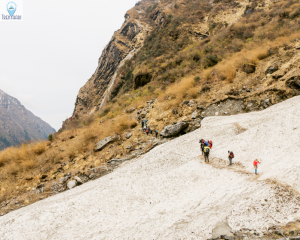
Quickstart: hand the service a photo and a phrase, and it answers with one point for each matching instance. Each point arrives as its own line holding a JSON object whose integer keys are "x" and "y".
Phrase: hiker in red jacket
{"x": 230, "y": 157}
{"x": 255, "y": 165}
{"x": 210, "y": 144}
{"x": 147, "y": 130}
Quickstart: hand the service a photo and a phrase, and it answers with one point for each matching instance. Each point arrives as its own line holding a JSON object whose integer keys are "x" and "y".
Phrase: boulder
{"x": 128, "y": 135}
{"x": 200, "y": 107}
{"x": 185, "y": 102}
{"x": 72, "y": 184}
{"x": 78, "y": 180}
{"x": 173, "y": 130}
{"x": 92, "y": 175}
{"x": 63, "y": 180}
{"x": 191, "y": 103}
{"x": 194, "y": 115}
{"x": 266, "y": 102}
{"x": 103, "y": 143}
{"x": 130, "y": 110}
{"x": 271, "y": 69}
{"x": 84, "y": 178}
{"x": 40, "y": 188}
{"x": 249, "y": 68}
{"x": 222, "y": 229}
{"x": 294, "y": 82}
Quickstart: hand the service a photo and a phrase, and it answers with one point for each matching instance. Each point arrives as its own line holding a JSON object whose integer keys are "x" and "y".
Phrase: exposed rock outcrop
{"x": 141, "y": 80}
{"x": 173, "y": 130}
{"x": 130, "y": 37}
{"x": 103, "y": 143}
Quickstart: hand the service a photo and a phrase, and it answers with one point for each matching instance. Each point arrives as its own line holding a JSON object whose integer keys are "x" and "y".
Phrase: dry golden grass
{"x": 39, "y": 148}
{"x": 193, "y": 92}
{"x": 178, "y": 91}
{"x": 252, "y": 54}
{"x": 227, "y": 71}
{"x": 14, "y": 160}
{"x": 206, "y": 73}
{"x": 256, "y": 54}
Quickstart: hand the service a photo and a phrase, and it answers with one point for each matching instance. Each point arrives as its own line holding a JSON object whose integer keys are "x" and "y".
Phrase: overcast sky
{"x": 47, "y": 57}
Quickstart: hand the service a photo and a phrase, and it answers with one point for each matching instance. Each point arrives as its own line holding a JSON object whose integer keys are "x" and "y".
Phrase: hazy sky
{"x": 47, "y": 57}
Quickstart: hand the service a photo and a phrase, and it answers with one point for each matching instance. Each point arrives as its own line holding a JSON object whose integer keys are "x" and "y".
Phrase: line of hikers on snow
{"x": 146, "y": 128}
{"x": 206, "y": 146}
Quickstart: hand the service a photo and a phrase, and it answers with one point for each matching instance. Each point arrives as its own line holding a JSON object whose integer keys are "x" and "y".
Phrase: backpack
{"x": 206, "y": 150}
{"x": 231, "y": 154}
{"x": 200, "y": 141}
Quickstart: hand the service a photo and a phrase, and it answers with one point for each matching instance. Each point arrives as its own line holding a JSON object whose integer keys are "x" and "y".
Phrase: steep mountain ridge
{"x": 161, "y": 42}
{"x": 17, "y": 124}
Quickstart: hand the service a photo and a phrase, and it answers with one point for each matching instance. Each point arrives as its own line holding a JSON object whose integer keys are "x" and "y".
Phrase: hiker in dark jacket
{"x": 156, "y": 133}
{"x": 202, "y": 145}
{"x": 230, "y": 157}
{"x": 206, "y": 153}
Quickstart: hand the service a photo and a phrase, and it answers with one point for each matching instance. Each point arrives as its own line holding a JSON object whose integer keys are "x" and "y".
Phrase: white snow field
{"x": 170, "y": 193}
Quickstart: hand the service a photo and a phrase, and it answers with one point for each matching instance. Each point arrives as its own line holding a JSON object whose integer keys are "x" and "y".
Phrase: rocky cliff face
{"x": 18, "y": 124}
{"x": 226, "y": 45}
{"x": 122, "y": 45}
{"x": 140, "y": 21}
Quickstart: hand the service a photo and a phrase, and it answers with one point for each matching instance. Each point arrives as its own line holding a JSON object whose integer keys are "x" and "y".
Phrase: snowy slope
{"x": 169, "y": 193}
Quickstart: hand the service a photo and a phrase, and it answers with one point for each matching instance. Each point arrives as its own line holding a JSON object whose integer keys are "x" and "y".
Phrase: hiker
{"x": 144, "y": 128}
{"x": 143, "y": 123}
{"x": 255, "y": 165}
{"x": 202, "y": 145}
{"x": 210, "y": 144}
{"x": 150, "y": 131}
{"x": 139, "y": 118}
{"x": 156, "y": 133}
{"x": 206, "y": 153}
{"x": 230, "y": 157}
{"x": 147, "y": 130}
{"x": 141, "y": 110}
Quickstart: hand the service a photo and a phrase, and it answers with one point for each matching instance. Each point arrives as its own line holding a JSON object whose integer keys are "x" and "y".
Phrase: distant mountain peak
{"x": 17, "y": 124}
